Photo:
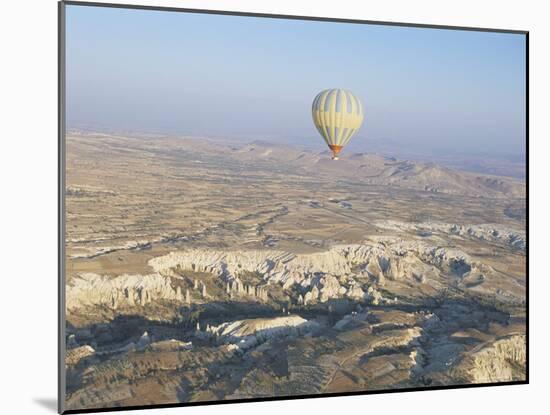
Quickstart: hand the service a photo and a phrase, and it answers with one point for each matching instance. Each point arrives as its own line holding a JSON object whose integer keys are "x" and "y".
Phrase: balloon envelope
{"x": 337, "y": 114}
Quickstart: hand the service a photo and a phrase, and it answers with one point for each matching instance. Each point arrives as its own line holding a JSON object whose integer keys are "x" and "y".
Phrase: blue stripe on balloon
{"x": 328, "y": 100}
{"x": 316, "y": 102}
{"x": 348, "y": 102}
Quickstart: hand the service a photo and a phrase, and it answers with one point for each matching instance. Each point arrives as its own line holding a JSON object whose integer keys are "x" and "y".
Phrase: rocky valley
{"x": 198, "y": 270}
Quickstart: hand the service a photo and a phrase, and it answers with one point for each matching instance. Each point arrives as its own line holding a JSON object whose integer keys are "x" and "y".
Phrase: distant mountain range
{"x": 366, "y": 168}
{"x": 379, "y": 170}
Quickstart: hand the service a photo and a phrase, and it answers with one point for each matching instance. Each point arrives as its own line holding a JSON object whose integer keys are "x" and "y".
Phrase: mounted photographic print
{"x": 258, "y": 207}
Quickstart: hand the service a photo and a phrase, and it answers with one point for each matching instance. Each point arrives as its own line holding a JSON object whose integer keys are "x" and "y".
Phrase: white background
{"x": 28, "y": 203}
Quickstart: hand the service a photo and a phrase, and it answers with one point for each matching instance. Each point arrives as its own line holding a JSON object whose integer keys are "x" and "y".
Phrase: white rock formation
{"x": 73, "y": 356}
{"x": 373, "y": 296}
{"x": 130, "y": 290}
{"x": 318, "y": 277}
{"x": 71, "y": 341}
{"x": 500, "y": 361}
{"x": 349, "y": 318}
{"x": 236, "y": 288}
{"x": 143, "y": 341}
{"x": 171, "y": 345}
{"x": 128, "y": 246}
{"x": 394, "y": 259}
{"x": 487, "y": 232}
{"x": 355, "y": 292}
{"x": 324, "y": 275}
{"x": 249, "y": 333}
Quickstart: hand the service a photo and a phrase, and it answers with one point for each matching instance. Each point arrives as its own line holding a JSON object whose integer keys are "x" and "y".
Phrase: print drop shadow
{"x": 48, "y": 403}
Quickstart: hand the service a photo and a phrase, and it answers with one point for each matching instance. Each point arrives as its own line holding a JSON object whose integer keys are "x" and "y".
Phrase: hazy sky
{"x": 430, "y": 90}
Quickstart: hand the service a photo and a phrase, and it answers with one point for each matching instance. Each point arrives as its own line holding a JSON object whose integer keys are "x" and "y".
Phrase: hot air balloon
{"x": 337, "y": 114}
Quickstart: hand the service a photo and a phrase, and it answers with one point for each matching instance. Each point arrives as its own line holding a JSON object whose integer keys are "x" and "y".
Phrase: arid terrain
{"x": 199, "y": 270}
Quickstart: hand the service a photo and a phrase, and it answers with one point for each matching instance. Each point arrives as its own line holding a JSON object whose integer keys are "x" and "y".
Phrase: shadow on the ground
{"x": 48, "y": 403}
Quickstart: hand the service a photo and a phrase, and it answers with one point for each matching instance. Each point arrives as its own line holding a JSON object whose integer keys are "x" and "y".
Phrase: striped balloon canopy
{"x": 337, "y": 114}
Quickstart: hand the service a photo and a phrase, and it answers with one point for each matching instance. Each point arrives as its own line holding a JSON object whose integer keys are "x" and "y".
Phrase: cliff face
{"x": 251, "y": 332}
{"x": 90, "y": 289}
{"x": 338, "y": 272}
{"x": 500, "y": 361}
{"x": 394, "y": 259}
{"x": 343, "y": 271}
